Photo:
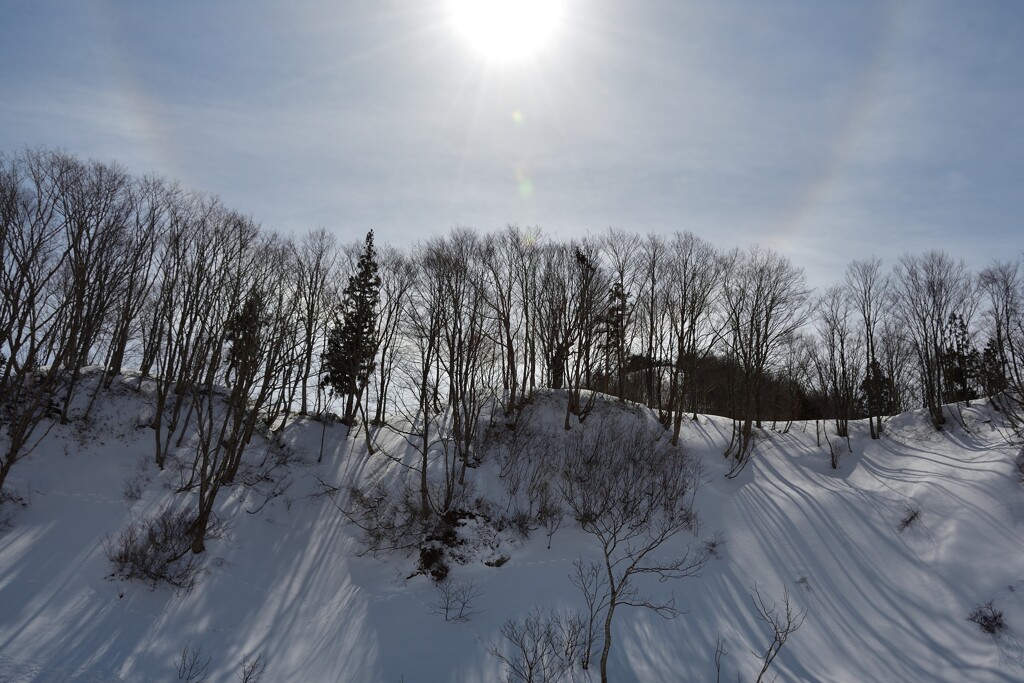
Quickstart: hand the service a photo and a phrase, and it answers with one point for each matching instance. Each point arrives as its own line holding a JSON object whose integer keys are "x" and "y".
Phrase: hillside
{"x": 287, "y": 576}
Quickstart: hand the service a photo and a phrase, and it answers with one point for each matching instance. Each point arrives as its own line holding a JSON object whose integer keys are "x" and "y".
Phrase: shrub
{"x": 432, "y": 562}
{"x": 455, "y": 600}
{"x": 191, "y": 666}
{"x": 542, "y": 648}
{"x": 988, "y": 618}
{"x": 135, "y": 482}
{"x": 157, "y": 550}
{"x": 388, "y": 522}
{"x": 252, "y": 668}
{"x": 911, "y": 515}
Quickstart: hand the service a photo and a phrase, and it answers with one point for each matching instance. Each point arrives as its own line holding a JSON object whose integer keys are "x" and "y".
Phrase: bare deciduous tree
{"x": 316, "y": 258}
{"x": 928, "y": 290}
{"x": 838, "y": 358}
{"x": 34, "y": 313}
{"x": 763, "y": 299}
{"x": 782, "y": 623}
{"x": 1003, "y": 285}
{"x": 868, "y": 288}
{"x": 190, "y": 664}
{"x": 692, "y": 287}
{"x": 632, "y": 493}
{"x": 455, "y": 600}
{"x": 251, "y": 668}
{"x": 544, "y": 647}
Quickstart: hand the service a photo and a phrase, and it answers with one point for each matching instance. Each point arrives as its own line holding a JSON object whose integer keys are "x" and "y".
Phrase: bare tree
{"x": 499, "y": 253}
{"x": 424, "y": 320}
{"x": 1003, "y": 286}
{"x": 928, "y": 290}
{"x": 868, "y": 288}
{"x": 782, "y": 622}
{"x": 190, "y": 664}
{"x": 150, "y": 203}
{"x": 397, "y": 278}
{"x": 693, "y": 284}
{"x": 456, "y": 600}
{"x": 896, "y": 356}
{"x": 526, "y": 268}
{"x": 632, "y": 493}
{"x": 94, "y": 206}
{"x": 187, "y": 298}
{"x": 247, "y": 356}
{"x": 316, "y": 258}
{"x": 838, "y": 358}
{"x": 591, "y": 580}
{"x": 467, "y": 353}
{"x": 251, "y": 668}
{"x": 763, "y": 299}
{"x": 568, "y": 309}
{"x": 544, "y": 647}
{"x": 34, "y": 312}
{"x": 654, "y": 332}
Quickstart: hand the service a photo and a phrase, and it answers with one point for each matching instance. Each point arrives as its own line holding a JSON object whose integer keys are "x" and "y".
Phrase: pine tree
{"x": 349, "y": 359}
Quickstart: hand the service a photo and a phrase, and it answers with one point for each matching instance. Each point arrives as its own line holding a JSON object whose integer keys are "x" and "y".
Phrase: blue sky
{"x": 826, "y": 130}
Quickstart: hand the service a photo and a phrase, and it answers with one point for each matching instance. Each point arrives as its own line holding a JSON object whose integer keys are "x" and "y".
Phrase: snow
{"x": 288, "y": 578}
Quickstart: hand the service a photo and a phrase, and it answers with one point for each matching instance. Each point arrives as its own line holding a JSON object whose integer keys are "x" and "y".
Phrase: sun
{"x": 506, "y": 30}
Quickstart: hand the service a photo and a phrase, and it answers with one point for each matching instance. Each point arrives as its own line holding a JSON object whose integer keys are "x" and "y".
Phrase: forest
{"x": 101, "y": 268}
{"x": 240, "y": 329}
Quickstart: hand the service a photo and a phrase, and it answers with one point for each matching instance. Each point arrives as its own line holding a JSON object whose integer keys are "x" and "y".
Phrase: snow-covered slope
{"x": 286, "y": 578}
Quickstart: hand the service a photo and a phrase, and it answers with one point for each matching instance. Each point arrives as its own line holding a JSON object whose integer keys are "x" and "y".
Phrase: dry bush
{"x": 135, "y": 482}
{"x": 455, "y": 599}
{"x": 388, "y": 522}
{"x": 988, "y": 618}
{"x": 251, "y": 668}
{"x": 911, "y": 515}
{"x": 542, "y": 648}
{"x": 782, "y": 621}
{"x": 191, "y": 666}
{"x": 157, "y": 550}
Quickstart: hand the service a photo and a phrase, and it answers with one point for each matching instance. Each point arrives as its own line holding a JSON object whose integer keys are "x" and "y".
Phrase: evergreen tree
{"x": 992, "y": 370}
{"x": 613, "y": 344}
{"x": 877, "y": 391}
{"x": 960, "y": 361}
{"x": 352, "y": 343}
{"x": 243, "y": 334}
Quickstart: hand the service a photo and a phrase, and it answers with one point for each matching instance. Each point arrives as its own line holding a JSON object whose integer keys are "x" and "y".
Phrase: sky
{"x": 825, "y": 130}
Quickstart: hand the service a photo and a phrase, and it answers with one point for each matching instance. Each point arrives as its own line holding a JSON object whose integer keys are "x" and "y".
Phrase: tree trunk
{"x": 606, "y": 646}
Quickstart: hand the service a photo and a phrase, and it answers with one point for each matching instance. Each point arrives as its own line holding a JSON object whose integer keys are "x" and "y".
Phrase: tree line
{"x": 109, "y": 270}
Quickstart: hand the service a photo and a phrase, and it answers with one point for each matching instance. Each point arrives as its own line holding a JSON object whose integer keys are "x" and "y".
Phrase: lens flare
{"x": 524, "y": 182}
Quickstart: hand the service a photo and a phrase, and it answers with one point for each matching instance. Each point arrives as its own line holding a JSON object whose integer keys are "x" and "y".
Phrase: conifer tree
{"x": 992, "y": 370}
{"x": 613, "y": 345}
{"x": 960, "y": 361}
{"x": 349, "y": 359}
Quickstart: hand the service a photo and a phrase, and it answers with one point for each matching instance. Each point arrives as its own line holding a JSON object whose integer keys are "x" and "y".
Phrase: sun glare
{"x": 506, "y": 30}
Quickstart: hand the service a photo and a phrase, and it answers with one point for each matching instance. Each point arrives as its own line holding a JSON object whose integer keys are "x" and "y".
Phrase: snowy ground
{"x": 288, "y": 580}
